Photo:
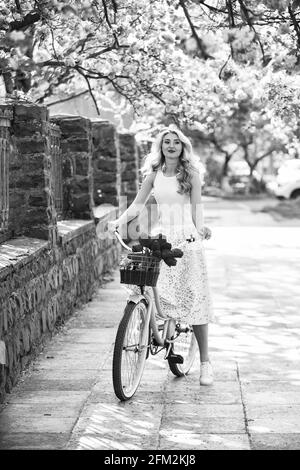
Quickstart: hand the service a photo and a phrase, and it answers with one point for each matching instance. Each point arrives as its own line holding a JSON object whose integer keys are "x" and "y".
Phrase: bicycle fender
{"x": 136, "y": 298}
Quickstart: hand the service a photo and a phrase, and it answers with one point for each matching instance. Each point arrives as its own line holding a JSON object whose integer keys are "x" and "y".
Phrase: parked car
{"x": 287, "y": 182}
{"x": 239, "y": 178}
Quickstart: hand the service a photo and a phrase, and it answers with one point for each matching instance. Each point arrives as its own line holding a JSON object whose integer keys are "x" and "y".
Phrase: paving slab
{"x": 112, "y": 441}
{"x": 269, "y": 369}
{"x": 36, "y": 383}
{"x": 41, "y": 397}
{"x": 137, "y": 425}
{"x": 12, "y": 423}
{"x": 90, "y": 335}
{"x": 183, "y": 419}
{"x": 33, "y": 440}
{"x": 272, "y": 392}
{"x": 275, "y": 441}
{"x": 187, "y": 390}
{"x": 219, "y": 441}
{"x": 273, "y": 418}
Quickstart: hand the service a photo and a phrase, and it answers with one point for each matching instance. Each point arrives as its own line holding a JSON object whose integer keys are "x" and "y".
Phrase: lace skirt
{"x": 184, "y": 289}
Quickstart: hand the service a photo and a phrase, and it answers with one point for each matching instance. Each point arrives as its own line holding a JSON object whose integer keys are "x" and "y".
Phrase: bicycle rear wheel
{"x": 186, "y": 346}
{"x": 130, "y": 350}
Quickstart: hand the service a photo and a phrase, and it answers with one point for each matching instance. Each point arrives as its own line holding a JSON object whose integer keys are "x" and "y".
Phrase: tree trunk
{"x": 224, "y": 175}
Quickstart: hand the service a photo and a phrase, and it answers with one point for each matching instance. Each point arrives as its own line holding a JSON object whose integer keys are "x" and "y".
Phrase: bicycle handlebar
{"x": 121, "y": 241}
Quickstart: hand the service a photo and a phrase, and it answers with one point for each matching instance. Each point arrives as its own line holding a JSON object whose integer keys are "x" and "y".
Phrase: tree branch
{"x": 28, "y": 20}
{"x": 64, "y": 100}
{"x": 92, "y": 94}
{"x": 106, "y": 13}
{"x": 250, "y": 24}
{"x": 199, "y": 41}
{"x": 18, "y": 6}
{"x": 114, "y": 5}
{"x": 223, "y": 67}
{"x": 210, "y": 7}
{"x": 295, "y": 23}
{"x": 108, "y": 20}
{"x": 230, "y": 13}
{"x": 257, "y": 160}
{"x": 93, "y": 55}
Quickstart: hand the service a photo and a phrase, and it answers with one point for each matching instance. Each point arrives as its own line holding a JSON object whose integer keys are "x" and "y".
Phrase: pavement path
{"x": 66, "y": 400}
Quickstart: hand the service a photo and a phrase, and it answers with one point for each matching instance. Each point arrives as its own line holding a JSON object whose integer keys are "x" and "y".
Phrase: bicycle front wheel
{"x": 130, "y": 350}
{"x": 186, "y": 346}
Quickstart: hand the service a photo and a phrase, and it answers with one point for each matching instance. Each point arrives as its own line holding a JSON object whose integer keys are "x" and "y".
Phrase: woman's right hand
{"x": 112, "y": 225}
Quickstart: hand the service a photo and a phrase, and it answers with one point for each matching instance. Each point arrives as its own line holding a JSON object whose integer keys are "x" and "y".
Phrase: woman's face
{"x": 171, "y": 146}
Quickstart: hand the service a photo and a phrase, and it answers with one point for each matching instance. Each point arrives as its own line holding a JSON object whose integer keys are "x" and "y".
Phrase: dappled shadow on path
{"x": 254, "y": 347}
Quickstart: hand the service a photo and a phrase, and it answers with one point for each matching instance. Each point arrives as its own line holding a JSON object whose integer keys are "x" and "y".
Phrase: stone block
{"x": 28, "y": 111}
{"x": 17, "y": 199}
{"x": 24, "y": 128}
{"x": 23, "y": 181}
{"x": 108, "y": 189}
{"x": 31, "y": 146}
{"x": 104, "y": 177}
{"x": 72, "y": 125}
{"x": 81, "y": 204}
{"x": 131, "y": 165}
{"x": 37, "y": 215}
{"x": 103, "y": 135}
{"x": 36, "y": 231}
{"x": 68, "y": 166}
{"x": 75, "y": 145}
{"x": 79, "y": 184}
{"x": 129, "y": 175}
{"x": 106, "y": 164}
{"x": 82, "y": 164}
{"x": 38, "y": 200}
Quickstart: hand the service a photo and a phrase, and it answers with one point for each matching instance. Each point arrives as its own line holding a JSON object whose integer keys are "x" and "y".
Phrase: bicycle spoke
{"x": 132, "y": 348}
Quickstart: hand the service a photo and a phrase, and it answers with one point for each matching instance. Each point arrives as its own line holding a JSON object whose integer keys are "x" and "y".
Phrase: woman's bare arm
{"x": 139, "y": 202}
{"x": 197, "y": 207}
{"x": 196, "y": 201}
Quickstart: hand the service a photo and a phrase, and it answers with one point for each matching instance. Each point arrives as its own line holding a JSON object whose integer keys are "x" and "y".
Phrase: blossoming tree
{"x": 227, "y": 68}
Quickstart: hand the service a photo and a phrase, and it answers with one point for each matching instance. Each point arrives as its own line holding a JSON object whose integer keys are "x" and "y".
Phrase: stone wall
{"x": 49, "y": 267}
{"x": 129, "y": 166}
{"x": 40, "y": 288}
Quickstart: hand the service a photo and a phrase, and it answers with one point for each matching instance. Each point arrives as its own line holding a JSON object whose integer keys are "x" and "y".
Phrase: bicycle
{"x": 143, "y": 331}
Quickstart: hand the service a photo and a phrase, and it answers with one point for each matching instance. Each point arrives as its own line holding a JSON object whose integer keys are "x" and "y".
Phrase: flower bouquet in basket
{"x": 141, "y": 267}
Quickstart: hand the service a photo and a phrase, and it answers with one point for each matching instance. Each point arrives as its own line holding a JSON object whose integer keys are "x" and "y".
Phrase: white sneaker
{"x": 206, "y": 373}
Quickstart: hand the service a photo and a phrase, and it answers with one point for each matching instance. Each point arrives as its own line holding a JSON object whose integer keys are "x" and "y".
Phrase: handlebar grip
{"x": 119, "y": 238}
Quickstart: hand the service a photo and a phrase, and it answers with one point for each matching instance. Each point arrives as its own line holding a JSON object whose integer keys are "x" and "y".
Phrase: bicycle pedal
{"x": 175, "y": 358}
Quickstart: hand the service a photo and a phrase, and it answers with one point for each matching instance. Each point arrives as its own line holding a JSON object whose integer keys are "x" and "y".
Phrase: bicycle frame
{"x": 168, "y": 327}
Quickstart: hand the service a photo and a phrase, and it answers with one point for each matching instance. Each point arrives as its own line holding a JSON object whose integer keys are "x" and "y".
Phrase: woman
{"x": 171, "y": 173}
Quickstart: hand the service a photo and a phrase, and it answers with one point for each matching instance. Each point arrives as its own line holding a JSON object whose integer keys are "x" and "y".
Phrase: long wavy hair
{"x": 188, "y": 162}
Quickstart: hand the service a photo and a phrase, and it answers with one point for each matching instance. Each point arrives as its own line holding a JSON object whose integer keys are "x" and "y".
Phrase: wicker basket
{"x": 139, "y": 269}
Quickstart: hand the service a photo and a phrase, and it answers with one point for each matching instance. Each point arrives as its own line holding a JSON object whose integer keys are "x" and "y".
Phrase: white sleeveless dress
{"x": 183, "y": 289}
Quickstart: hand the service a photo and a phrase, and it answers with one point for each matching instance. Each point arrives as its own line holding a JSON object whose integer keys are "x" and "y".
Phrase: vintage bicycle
{"x": 144, "y": 330}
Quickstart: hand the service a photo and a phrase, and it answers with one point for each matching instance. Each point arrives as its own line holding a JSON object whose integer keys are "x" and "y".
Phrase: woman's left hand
{"x": 205, "y": 233}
